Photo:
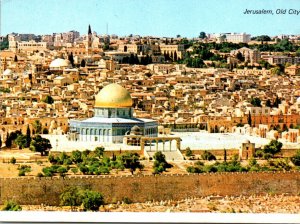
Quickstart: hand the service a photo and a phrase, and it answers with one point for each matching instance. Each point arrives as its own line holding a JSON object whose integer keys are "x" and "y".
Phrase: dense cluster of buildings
{"x": 73, "y": 69}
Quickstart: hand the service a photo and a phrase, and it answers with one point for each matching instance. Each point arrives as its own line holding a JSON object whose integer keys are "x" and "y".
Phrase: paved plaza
{"x": 194, "y": 140}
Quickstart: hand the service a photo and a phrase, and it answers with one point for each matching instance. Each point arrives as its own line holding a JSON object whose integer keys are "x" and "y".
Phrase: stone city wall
{"x": 34, "y": 190}
{"x": 219, "y": 153}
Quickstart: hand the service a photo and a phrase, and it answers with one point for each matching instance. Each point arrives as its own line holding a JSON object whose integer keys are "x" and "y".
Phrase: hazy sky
{"x": 148, "y": 17}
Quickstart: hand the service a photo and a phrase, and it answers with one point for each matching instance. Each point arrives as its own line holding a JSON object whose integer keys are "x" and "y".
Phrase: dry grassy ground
{"x": 251, "y": 204}
{"x": 38, "y": 162}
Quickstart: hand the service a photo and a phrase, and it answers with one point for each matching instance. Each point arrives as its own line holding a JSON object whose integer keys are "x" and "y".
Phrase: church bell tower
{"x": 89, "y": 41}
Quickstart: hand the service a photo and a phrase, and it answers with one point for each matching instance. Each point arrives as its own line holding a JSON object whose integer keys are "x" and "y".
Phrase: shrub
{"x": 62, "y": 158}
{"x": 21, "y": 173}
{"x": 252, "y": 162}
{"x": 52, "y": 159}
{"x": 83, "y": 168}
{"x": 92, "y": 200}
{"x": 208, "y": 156}
{"x": 67, "y": 161}
{"x": 74, "y": 170}
{"x": 127, "y": 200}
{"x": 273, "y": 147}
{"x": 13, "y": 160}
{"x": 62, "y": 171}
{"x": 40, "y": 175}
{"x": 76, "y": 156}
{"x": 160, "y": 164}
{"x": 280, "y": 164}
{"x": 11, "y": 206}
{"x": 103, "y": 170}
{"x": 188, "y": 152}
{"x": 23, "y": 169}
{"x": 259, "y": 153}
{"x": 71, "y": 197}
{"x": 296, "y": 158}
{"x": 267, "y": 155}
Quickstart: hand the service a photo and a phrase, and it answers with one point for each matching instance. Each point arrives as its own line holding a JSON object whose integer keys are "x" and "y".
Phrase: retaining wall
{"x": 34, "y": 190}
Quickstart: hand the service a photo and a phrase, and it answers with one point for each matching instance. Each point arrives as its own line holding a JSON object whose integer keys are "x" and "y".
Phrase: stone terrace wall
{"x": 33, "y": 190}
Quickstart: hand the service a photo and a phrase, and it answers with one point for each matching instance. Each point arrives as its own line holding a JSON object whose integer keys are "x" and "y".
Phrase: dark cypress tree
{"x": 28, "y": 136}
{"x": 249, "y": 119}
{"x": 16, "y": 58}
{"x": 8, "y": 141}
{"x": 175, "y": 56}
{"x": 225, "y": 155}
{"x": 0, "y": 142}
{"x": 277, "y": 102}
{"x": 71, "y": 59}
{"x": 171, "y": 56}
{"x": 131, "y": 59}
{"x": 268, "y": 103}
{"x": 82, "y": 64}
{"x": 136, "y": 60}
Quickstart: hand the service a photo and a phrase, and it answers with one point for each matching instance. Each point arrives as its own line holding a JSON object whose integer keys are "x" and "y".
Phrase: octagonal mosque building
{"x": 113, "y": 118}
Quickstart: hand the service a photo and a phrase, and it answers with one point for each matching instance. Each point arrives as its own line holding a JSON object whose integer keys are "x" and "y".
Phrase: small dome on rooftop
{"x": 59, "y": 63}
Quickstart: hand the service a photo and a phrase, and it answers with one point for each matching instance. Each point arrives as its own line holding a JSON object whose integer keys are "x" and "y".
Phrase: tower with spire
{"x": 89, "y": 41}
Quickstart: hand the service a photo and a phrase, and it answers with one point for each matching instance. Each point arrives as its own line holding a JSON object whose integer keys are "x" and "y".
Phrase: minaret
{"x": 89, "y": 41}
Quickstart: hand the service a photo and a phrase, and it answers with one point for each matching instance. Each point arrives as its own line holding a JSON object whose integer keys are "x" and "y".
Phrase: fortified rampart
{"x": 141, "y": 188}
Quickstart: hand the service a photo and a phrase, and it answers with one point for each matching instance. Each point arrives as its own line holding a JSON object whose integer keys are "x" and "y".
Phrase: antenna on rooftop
{"x": 106, "y": 28}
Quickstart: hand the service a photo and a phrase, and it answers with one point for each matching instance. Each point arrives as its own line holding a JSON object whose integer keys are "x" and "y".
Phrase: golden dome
{"x": 113, "y": 96}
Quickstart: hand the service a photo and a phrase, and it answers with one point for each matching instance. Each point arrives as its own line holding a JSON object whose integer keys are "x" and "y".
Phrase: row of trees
{"x": 96, "y": 163}
{"x": 256, "y": 102}
{"x": 268, "y": 152}
{"x": 91, "y": 163}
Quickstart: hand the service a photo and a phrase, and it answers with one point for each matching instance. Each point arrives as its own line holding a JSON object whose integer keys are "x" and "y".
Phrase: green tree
{"x": 37, "y": 126}
{"x": 48, "y": 99}
{"x": 28, "y": 136}
{"x": 11, "y": 206}
{"x": 4, "y": 44}
{"x": 23, "y": 169}
{"x": 240, "y": 57}
{"x": 62, "y": 171}
{"x": 71, "y": 197}
{"x": 268, "y": 103}
{"x": 277, "y": 102}
{"x": 160, "y": 164}
{"x": 263, "y": 38}
{"x": 273, "y": 147}
{"x": 39, "y": 144}
{"x": 76, "y": 156}
{"x": 13, "y": 160}
{"x": 188, "y": 152}
{"x": 21, "y": 141}
{"x": 131, "y": 161}
{"x": 249, "y": 119}
{"x": 208, "y": 156}
{"x": 0, "y": 142}
{"x": 82, "y": 63}
{"x": 225, "y": 155}
{"x": 75, "y": 196}
{"x": 256, "y": 102}
{"x": 71, "y": 59}
{"x": 202, "y": 35}
{"x": 92, "y": 200}
{"x": 275, "y": 71}
{"x": 296, "y": 158}
{"x": 99, "y": 151}
{"x": 8, "y": 140}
